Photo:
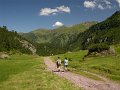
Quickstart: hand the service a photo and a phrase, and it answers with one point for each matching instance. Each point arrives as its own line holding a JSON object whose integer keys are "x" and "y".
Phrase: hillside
{"x": 107, "y": 32}
{"x": 57, "y": 40}
{"x": 46, "y": 36}
{"x": 11, "y": 41}
{"x": 39, "y": 36}
{"x": 77, "y": 37}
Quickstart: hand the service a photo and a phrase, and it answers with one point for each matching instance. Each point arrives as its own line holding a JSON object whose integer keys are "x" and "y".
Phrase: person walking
{"x": 58, "y": 63}
{"x": 65, "y": 64}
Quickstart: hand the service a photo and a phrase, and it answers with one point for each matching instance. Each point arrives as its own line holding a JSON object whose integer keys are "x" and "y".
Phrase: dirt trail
{"x": 81, "y": 81}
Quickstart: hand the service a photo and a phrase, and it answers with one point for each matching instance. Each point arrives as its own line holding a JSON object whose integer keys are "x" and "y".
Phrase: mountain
{"x": 11, "y": 41}
{"x": 88, "y": 35}
{"x": 107, "y": 32}
{"x": 39, "y": 36}
{"x": 57, "y": 40}
{"x": 77, "y": 37}
{"x": 46, "y": 36}
{"x": 109, "y": 23}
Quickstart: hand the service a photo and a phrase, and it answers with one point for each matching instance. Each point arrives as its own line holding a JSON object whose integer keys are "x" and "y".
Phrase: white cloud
{"x": 63, "y": 9}
{"x": 107, "y": 4}
{"x": 50, "y": 11}
{"x": 100, "y": 7}
{"x": 89, "y": 4}
{"x": 118, "y": 1}
{"x": 58, "y": 24}
{"x": 100, "y": 4}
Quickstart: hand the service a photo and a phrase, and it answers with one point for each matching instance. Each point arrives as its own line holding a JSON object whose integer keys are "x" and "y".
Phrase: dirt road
{"x": 81, "y": 81}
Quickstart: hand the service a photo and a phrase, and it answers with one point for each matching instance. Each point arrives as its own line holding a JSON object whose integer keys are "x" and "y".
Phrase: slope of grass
{"x": 29, "y": 73}
{"x": 108, "y": 66}
{"x": 14, "y": 65}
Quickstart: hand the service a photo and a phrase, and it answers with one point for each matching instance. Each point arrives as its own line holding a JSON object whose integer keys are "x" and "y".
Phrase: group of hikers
{"x": 58, "y": 64}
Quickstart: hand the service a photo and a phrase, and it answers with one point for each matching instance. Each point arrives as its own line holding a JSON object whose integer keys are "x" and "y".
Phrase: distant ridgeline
{"x": 58, "y": 40}
{"x": 77, "y": 37}
{"x": 11, "y": 41}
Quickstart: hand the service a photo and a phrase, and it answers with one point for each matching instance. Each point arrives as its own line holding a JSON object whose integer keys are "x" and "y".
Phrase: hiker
{"x": 58, "y": 63}
{"x": 65, "y": 64}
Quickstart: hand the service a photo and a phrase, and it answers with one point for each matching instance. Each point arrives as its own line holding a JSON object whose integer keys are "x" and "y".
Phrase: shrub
{"x": 98, "y": 47}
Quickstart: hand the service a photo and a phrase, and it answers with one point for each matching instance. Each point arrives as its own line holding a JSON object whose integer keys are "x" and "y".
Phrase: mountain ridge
{"x": 44, "y": 36}
{"x": 107, "y": 31}
{"x": 78, "y": 37}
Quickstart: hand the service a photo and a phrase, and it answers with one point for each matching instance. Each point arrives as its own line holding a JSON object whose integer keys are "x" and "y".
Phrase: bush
{"x": 98, "y": 47}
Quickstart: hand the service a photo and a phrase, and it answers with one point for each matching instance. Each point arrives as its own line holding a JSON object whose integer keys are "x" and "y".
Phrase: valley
{"x": 27, "y": 60}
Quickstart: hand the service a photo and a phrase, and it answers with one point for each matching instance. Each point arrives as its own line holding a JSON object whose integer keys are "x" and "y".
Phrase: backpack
{"x": 58, "y": 62}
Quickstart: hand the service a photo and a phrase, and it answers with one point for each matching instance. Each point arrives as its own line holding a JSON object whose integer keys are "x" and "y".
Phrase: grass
{"x": 27, "y": 72}
{"x": 14, "y": 65}
{"x": 108, "y": 66}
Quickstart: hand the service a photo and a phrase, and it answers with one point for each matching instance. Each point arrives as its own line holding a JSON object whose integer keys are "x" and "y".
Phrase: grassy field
{"x": 27, "y": 72}
{"x": 108, "y": 66}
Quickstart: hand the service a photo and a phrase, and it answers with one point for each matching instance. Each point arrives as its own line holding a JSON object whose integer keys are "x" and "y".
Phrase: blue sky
{"x": 28, "y": 15}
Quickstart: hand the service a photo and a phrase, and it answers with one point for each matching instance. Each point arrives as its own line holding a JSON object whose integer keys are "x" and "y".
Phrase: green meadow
{"x": 27, "y": 72}
{"x": 107, "y": 66}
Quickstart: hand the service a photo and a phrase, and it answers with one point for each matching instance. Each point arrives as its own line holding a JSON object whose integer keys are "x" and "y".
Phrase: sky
{"x": 28, "y": 15}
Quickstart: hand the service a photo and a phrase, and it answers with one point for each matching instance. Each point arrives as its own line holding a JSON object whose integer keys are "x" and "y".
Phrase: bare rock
{"x": 4, "y": 55}
{"x": 112, "y": 50}
{"x": 29, "y": 46}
